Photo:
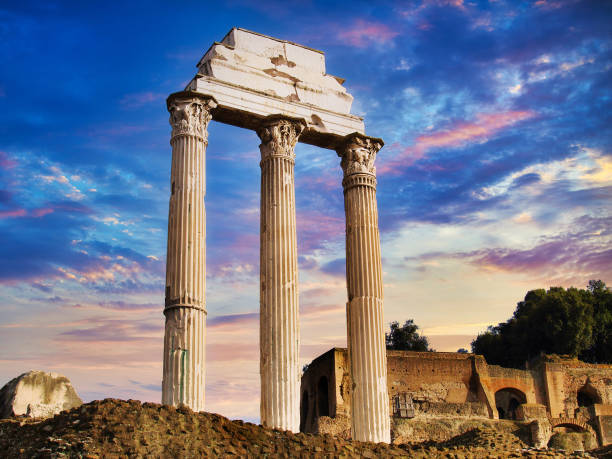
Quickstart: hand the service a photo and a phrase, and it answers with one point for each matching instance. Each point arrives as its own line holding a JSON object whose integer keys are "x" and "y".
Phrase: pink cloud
{"x": 550, "y": 5}
{"x": 565, "y": 259}
{"x": 315, "y": 228}
{"x": 42, "y": 211}
{"x": 316, "y": 312}
{"x": 459, "y": 134}
{"x": 363, "y": 33}
{"x": 6, "y": 162}
{"x": 13, "y": 213}
{"x": 217, "y": 352}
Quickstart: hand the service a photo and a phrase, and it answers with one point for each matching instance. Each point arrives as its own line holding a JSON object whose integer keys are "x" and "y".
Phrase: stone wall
{"x": 428, "y": 376}
{"x": 451, "y": 390}
{"x": 320, "y": 391}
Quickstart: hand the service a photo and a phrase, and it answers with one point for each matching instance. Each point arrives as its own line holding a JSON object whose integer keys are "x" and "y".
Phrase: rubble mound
{"x": 482, "y": 437}
{"x": 37, "y": 394}
{"x": 117, "y": 428}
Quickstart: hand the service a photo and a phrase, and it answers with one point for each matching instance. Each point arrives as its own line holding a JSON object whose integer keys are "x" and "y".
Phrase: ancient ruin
{"x": 37, "y": 394}
{"x": 280, "y": 90}
{"x": 437, "y": 395}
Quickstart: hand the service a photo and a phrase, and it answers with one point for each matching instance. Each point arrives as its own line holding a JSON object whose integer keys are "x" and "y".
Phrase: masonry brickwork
{"x": 435, "y": 395}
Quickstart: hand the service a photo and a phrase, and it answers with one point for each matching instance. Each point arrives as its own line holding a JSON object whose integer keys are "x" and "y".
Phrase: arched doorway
{"x": 304, "y": 412}
{"x": 507, "y": 401}
{"x": 569, "y": 435}
{"x": 323, "y": 397}
{"x": 587, "y": 395}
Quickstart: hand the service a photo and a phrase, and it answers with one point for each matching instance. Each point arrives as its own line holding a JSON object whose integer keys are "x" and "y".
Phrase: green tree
{"x": 600, "y": 350}
{"x": 406, "y": 338}
{"x": 558, "y": 321}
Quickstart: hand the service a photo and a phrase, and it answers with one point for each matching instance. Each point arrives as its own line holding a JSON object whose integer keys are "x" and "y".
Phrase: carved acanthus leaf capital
{"x": 190, "y": 114}
{"x": 278, "y": 137}
{"x": 358, "y": 154}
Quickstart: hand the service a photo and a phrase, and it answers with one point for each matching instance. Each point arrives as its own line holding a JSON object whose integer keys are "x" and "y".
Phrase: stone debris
{"x": 116, "y": 428}
{"x": 37, "y": 394}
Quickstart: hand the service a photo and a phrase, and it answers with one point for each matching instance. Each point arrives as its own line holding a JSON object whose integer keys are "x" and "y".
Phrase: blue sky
{"x": 496, "y": 176}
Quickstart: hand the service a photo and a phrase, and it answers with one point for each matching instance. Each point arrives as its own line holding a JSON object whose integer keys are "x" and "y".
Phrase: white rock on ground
{"x": 37, "y": 394}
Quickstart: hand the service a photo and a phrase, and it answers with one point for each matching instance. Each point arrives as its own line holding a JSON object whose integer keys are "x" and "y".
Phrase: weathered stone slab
{"x": 252, "y": 76}
{"x": 37, "y": 394}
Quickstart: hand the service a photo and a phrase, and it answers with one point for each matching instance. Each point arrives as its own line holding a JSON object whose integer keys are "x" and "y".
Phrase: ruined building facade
{"x": 460, "y": 389}
{"x": 281, "y": 91}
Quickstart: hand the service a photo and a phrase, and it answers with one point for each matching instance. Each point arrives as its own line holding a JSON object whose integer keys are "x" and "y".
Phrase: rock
{"x": 37, "y": 394}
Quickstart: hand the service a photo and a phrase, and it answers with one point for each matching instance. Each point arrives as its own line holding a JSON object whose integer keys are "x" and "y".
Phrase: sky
{"x": 495, "y": 177}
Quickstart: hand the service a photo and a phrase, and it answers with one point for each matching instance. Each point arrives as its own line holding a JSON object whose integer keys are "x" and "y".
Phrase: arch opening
{"x": 304, "y": 412}
{"x": 507, "y": 401}
{"x": 587, "y": 396}
{"x": 323, "y": 397}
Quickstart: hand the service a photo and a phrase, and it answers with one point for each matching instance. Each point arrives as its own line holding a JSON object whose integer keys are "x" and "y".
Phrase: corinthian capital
{"x": 190, "y": 114}
{"x": 278, "y": 136}
{"x": 358, "y": 153}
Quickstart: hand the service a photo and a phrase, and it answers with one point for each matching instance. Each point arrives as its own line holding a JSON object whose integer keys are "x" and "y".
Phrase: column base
{"x": 184, "y": 357}
{"x": 368, "y": 367}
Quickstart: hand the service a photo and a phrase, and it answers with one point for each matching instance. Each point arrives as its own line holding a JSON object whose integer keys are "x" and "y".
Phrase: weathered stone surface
{"x": 364, "y": 309}
{"x": 116, "y": 428}
{"x": 448, "y": 388}
{"x": 185, "y": 305}
{"x": 253, "y": 76}
{"x": 541, "y": 431}
{"x": 279, "y": 337}
{"x": 37, "y": 394}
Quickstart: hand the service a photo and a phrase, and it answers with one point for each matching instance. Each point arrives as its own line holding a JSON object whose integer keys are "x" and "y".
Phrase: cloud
{"x": 120, "y": 305}
{"x": 233, "y": 319}
{"x": 335, "y": 267}
{"x": 221, "y": 352}
{"x": 6, "y": 162}
{"x": 570, "y": 258}
{"x": 311, "y": 312}
{"x": 316, "y": 227}
{"x": 104, "y": 330}
{"x": 13, "y": 213}
{"x": 139, "y": 99}
{"x": 362, "y": 33}
{"x": 457, "y": 135}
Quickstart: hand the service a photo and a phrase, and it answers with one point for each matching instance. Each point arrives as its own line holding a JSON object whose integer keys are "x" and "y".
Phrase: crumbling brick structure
{"x": 551, "y": 393}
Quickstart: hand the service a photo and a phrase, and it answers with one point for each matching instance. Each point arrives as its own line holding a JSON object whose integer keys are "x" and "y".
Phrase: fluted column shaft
{"x": 279, "y": 329}
{"x": 365, "y": 325}
{"x": 185, "y": 304}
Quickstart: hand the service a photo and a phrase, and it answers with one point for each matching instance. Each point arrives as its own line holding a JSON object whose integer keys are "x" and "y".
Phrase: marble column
{"x": 365, "y": 325}
{"x": 185, "y": 306}
{"x": 279, "y": 335}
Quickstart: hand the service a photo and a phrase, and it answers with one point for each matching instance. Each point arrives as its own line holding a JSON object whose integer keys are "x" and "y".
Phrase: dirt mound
{"x": 117, "y": 428}
{"x": 486, "y": 438}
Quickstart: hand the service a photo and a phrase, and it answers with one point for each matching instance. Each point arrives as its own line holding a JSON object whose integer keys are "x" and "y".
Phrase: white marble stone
{"x": 364, "y": 309}
{"x": 279, "y": 336}
{"x": 184, "y": 367}
{"x": 281, "y": 90}
{"x": 252, "y": 76}
{"x": 37, "y": 394}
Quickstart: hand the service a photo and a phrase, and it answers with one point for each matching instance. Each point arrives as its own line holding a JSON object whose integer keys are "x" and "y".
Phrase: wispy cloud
{"x": 13, "y": 213}
{"x": 570, "y": 258}
{"x": 362, "y": 33}
{"x": 6, "y": 162}
{"x": 457, "y": 135}
{"x": 233, "y": 319}
{"x": 139, "y": 99}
